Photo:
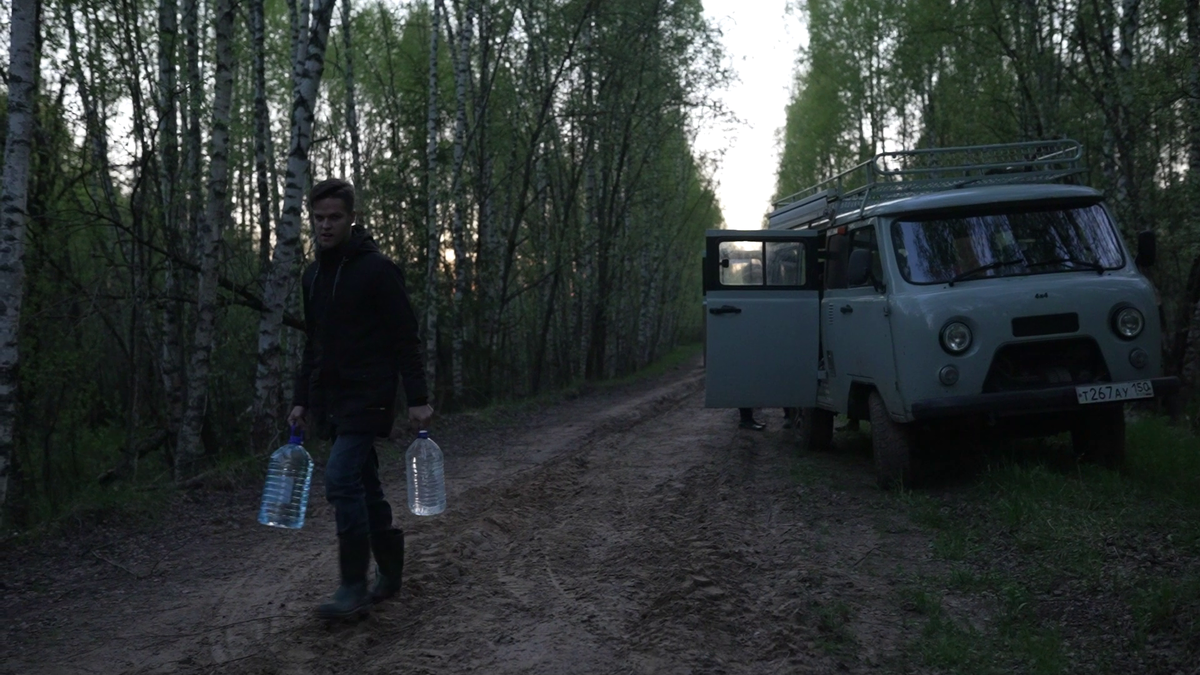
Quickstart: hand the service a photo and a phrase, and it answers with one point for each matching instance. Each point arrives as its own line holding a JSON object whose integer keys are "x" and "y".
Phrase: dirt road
{"x": 627, "y": 531}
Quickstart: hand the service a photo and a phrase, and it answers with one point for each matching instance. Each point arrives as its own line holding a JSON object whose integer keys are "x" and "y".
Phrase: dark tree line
{"x": 529, "y": 162}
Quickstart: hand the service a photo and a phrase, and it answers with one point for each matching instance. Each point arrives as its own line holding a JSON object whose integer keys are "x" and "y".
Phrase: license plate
{"x": 1117, "y": 391}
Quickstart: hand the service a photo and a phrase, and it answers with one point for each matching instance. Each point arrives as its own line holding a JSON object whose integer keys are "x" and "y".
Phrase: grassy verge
{"x": 1065, "y": 568}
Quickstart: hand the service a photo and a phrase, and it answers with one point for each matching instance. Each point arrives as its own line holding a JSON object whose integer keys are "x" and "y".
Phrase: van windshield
{"x": 938, "y": 250}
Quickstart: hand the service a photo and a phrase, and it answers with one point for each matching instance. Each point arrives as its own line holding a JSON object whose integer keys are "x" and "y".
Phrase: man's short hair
{"x": 335, "y": 188}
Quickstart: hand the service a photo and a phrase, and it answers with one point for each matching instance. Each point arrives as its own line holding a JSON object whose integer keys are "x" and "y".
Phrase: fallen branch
{"x": 864, "y": 556}
{"x": 117, "y": 565}
{"x": 142, "y": 449}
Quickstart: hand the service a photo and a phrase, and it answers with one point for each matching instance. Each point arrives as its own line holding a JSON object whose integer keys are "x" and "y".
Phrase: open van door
{"x": 762, "y": 311}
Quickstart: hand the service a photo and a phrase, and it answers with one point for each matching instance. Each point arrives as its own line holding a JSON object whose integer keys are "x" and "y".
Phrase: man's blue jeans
{"x": 352, "y": 486}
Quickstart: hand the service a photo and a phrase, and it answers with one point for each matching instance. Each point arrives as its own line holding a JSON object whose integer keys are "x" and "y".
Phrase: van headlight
{"x": 956, "y": 337}
{"x": 1128, "y": 323}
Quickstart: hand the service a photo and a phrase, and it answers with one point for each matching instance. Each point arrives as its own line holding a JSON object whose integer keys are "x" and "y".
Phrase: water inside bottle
{"x": 285, "y": 494}
{"x": 424, "y": 467}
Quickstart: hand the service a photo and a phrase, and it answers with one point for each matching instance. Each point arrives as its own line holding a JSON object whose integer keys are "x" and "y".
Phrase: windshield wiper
{"x": 984, "y": 268}
{"x": 1087, "y": 264}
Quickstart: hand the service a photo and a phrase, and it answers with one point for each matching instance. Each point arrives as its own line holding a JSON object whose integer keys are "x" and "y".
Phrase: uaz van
{"x": 934, "y": 290}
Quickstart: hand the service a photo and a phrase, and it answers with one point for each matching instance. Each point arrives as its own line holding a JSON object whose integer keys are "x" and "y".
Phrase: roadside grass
{"x": 1081, "y": 569}
{"x": 833, "y": 619}
{"x": 146, "y": 499}
{"x": 143, "y": 500}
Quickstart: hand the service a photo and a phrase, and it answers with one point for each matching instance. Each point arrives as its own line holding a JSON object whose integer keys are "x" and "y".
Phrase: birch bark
{"x": 192, "y": 162}
{"x": 14, "y": 193}
{"x": 262, "y": 133}
{"x": 285, "y": 270}
{"x": 190, "y": 448}
{"x": 457, "y": 234}
{"x": 170, "y": 366}
{"x": 433, "y": 234}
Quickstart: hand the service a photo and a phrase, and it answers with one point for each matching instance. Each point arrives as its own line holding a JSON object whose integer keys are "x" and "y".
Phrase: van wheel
{"x": 891, "y": 444}
{"x": 814, "y": 427}
{"x": 1098, "y": 436}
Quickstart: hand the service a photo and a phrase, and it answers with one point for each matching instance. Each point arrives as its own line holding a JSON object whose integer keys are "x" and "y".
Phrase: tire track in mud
{"x": 621, "y": 532}
{"x": 680, "y": 546}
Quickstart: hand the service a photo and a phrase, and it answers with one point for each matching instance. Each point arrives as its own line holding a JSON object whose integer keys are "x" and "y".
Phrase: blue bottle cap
{"x": 422, "y": 434}
{"x": 297, "y": 437}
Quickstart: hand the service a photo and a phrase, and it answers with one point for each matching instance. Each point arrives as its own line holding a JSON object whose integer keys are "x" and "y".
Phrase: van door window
{"x": 837, "y": 250}
{"x": 762, "y": 263}
{"x": 785, "y": 263}
{"x": 741, "y": 263}
{"x": 865, "y": 238}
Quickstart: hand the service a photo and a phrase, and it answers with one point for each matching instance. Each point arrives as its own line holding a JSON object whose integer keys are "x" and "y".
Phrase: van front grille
{"x": 1045, "y": 324}
{"x": 1052, "y": 363}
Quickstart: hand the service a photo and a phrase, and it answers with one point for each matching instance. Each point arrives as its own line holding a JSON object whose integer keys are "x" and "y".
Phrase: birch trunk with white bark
{"x": 262, "y": 135}
{"x": 457, "y": 234}
{"x": 190, "y": 448}
{"x": 433, "y": 234}
{"x": 195, "y": 86}
{"x": 14, "y": 193}
{"x": 284, "y": 277}
{"x": 170, "y": 355}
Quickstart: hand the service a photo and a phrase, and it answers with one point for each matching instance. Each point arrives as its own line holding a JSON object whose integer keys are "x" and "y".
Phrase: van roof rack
{"x": 904, "y": 173}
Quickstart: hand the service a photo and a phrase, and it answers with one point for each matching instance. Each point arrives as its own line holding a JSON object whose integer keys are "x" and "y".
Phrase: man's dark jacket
{"x": 361, "y": 337}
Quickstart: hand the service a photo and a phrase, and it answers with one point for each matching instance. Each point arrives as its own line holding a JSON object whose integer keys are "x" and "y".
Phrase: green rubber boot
{"x": 352, "y": 597}
{"x": 389, "y": 563}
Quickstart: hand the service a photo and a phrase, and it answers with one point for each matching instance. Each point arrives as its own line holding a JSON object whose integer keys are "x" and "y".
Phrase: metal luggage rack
{"x": 892, "y": 175}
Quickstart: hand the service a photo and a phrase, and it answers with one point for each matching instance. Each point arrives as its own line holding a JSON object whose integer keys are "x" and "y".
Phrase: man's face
{"x": 331, "y": 222}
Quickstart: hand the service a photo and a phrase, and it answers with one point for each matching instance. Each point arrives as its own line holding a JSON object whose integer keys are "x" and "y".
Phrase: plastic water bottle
{"x": 285, "y": 496}
{"x": 426, "y": 479}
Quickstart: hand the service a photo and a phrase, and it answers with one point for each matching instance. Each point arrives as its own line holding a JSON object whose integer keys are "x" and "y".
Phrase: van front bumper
{"x": 1020, "y": 402}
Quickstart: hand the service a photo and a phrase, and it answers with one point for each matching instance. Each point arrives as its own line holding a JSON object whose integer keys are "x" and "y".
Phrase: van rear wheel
{"x": 891, "y": 444}
{"x": 814, "y": 428}
{"x": 1098, "y": 435}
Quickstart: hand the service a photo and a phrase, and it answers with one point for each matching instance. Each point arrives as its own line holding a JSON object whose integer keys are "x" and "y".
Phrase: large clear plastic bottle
{"x": 426, "y": 477}
{"x": 289, "y": 476}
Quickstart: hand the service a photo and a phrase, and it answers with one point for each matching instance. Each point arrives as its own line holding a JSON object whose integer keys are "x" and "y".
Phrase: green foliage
{"x": 584, "y": 212}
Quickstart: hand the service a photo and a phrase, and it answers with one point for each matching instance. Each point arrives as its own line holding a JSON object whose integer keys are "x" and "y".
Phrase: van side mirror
{"x": 858, "y": 272}
{"x": 1147, "y": 251}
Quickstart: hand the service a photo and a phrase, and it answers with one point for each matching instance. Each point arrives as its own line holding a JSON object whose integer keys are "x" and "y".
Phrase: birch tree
{"x": 1190, "y": 368}
{"x": 462, "y": 75}
{"x": 284, "y": 275}
{"x": 22, "y": 88}
{"x": 170, "y": 354}
{"x": 352, "y": 109}
{"x": 193, "y": 162}
{"x": 190, "y": 449}
{"x": 433, "y": 245}
{"x": 263, "y": 155}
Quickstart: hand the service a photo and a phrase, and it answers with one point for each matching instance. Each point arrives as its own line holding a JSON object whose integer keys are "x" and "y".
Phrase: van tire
{"x": 814, "y": 428}
{"x": 1098, "y": 436}
{"x": 891, "y": 445}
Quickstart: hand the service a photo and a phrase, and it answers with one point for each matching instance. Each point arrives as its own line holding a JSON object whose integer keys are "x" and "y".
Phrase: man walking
{"x": 361, "y": 338}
